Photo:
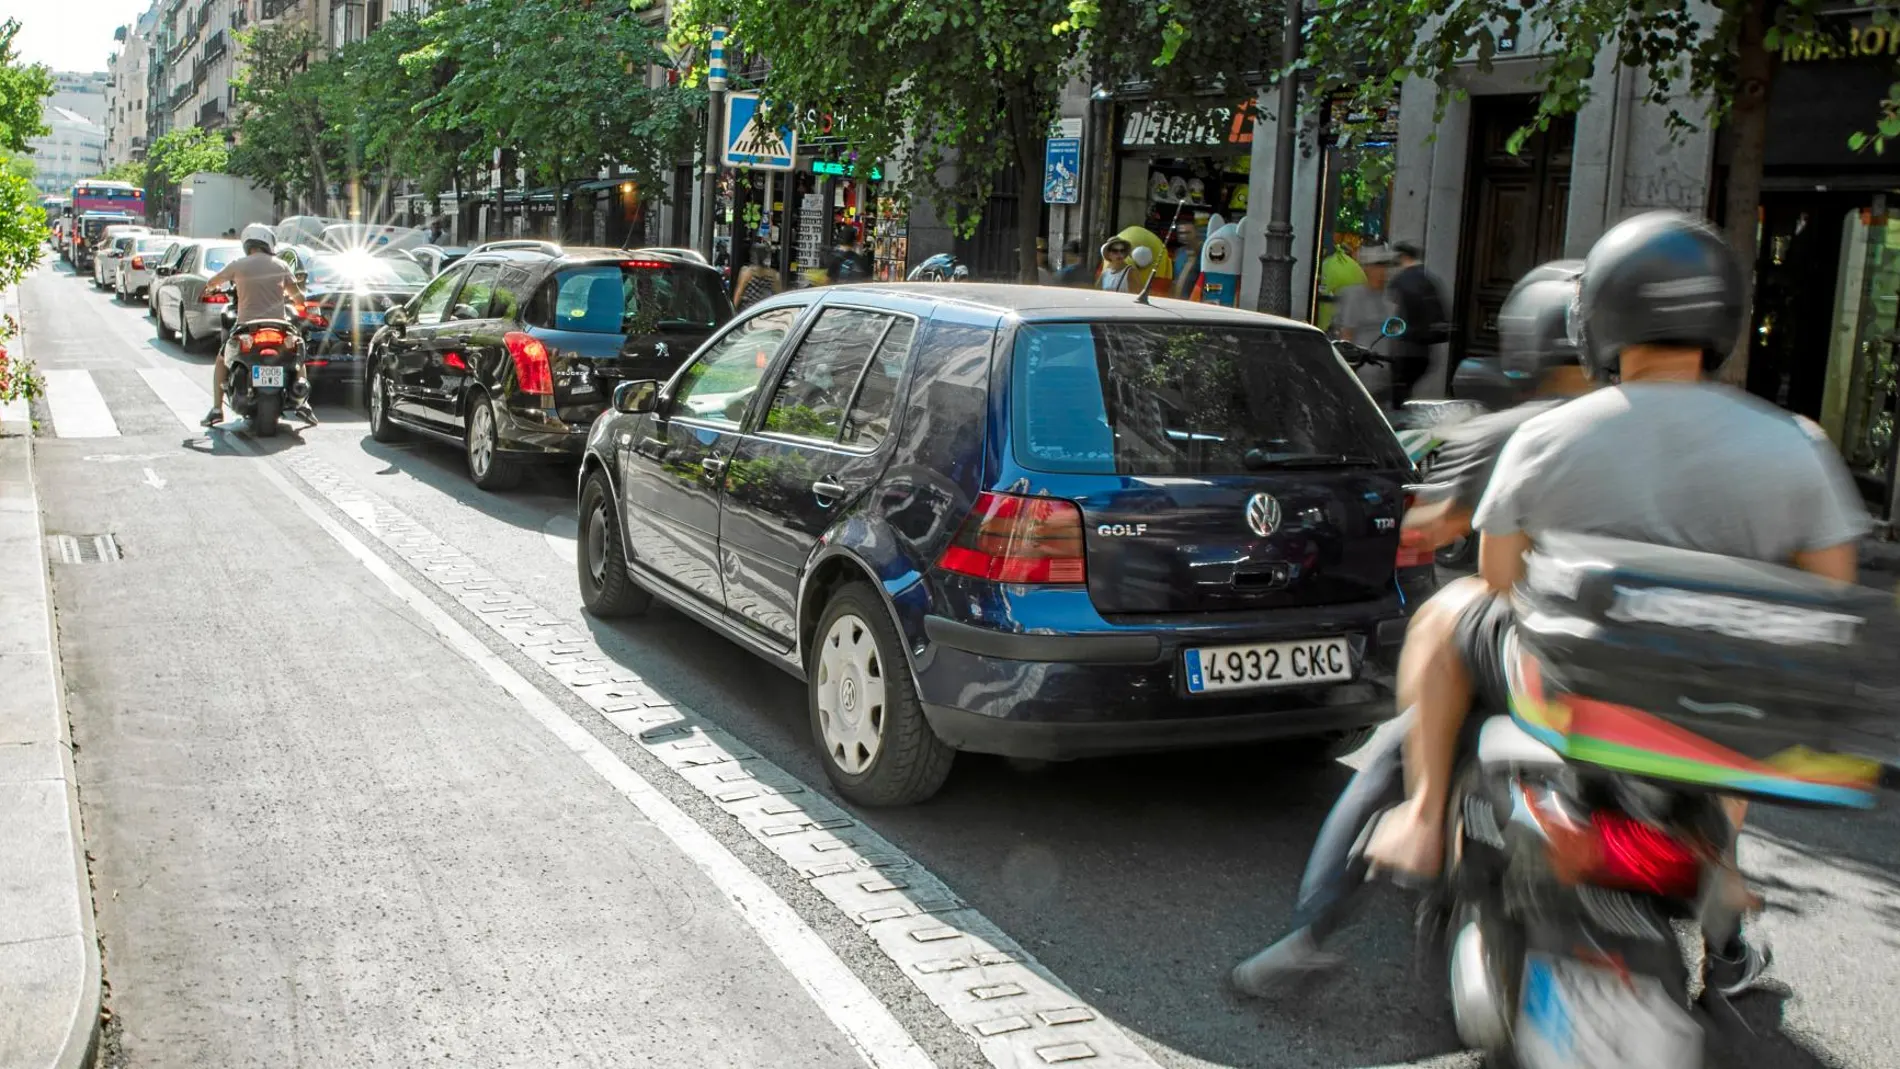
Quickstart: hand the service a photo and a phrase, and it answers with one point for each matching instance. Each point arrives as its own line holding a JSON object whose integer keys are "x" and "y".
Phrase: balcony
{"x": 214, "y": 46}
{"x": 211, "y": 114}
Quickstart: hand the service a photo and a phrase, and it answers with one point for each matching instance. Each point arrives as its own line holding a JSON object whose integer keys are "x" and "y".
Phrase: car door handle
{"x": 827, "y": 491}
{"x": 712, "y": 467}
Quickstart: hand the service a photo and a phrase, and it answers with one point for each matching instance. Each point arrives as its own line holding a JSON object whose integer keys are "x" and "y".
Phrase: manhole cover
{"x": 84, "y": 548}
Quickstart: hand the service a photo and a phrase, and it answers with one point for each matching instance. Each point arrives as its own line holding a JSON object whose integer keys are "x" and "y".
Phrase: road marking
{"x": 16, "y": 412}
{"x": 152, "y": 480}
{"x": 1006, "y": 1002}
{"x": 831, "y": 984}
{"x": 186, "y": 399}
{"x": 78, "y": 408}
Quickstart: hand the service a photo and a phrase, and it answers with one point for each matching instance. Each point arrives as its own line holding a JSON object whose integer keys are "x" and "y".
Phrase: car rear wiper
{"x": 1263, "y": 460}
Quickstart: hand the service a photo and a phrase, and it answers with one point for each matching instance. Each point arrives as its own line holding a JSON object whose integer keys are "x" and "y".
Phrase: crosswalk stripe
{"x": 15, "y": 412}
{"x": 79, "y": 409}
{"x": 186, "y": 399}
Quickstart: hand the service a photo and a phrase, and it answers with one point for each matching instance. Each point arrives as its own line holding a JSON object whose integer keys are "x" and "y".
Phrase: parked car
{"x": 105, "y": 266}
{"x": 514, "y": 351}
{"x": 91, "y": 235}
{"x": 134, "y": 276}
{"x": 346, "y": 295}
{"x": 436, "y": 258}
{"x": 168, "y": 259}
{"x": 1026, "y": 521}
{"x": 184, "y": 310}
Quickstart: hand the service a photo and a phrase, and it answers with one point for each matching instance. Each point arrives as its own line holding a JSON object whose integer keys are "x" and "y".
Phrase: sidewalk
{"x": 49, "y": 955}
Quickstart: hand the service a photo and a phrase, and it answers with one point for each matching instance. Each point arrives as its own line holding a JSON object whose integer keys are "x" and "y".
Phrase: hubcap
{"x": 376, "y": 398}
{"x": 481, "y": 440}
{"x": 1477, "y": 1006}
{"x": 597, "y": 543}
{"x": 850, "y": 691}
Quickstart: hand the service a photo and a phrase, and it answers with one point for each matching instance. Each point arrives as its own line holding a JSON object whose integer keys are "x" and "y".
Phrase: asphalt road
{"x": 321, "y": 835}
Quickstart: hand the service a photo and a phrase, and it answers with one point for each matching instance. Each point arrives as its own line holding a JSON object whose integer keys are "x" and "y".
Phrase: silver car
{"x": 183, "y": 308}
{"x": 135, "y": 269}
{"x": 105, "y": 266}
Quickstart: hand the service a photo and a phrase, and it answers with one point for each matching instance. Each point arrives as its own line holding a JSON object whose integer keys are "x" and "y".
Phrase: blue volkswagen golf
{"x": 1037, "y": 522}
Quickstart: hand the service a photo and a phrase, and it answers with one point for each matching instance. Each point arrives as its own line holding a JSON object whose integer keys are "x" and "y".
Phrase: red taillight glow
{"x": 1413, "y": 552}
{"x": 316, "y": 363}
{"x": 454, "y": 361}
{"x": 311, "y": 316}
{"x": 1617, "y": 851}
{"x": 215, "y": 298}
{"x": 532, "y": 371}
{"x": 267, "y": 336}
{"x": 649, "y": 265}
{"x": 138, "y": 263}
{"x": 1009, "y": 538}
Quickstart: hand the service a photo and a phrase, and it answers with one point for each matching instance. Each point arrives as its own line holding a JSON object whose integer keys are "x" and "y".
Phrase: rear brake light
{"x": 644, "y": 264}
{"x": 1010, "y": 538}
{"x": 312, "y": 316}
{"x": 138, "y": 263}
{"x": 532, "y": 371}
{"x": 1617, "y": 851}
{"x": 1413, "y": 552}
{"x": 215, "y": 298}
{"x": 316, "y": 363}
{"x": 267, "y": 336}
{"x": 454, "y": 361}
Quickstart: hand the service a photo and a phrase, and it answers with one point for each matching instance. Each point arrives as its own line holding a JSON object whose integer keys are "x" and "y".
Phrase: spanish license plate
{"x": 1262, "y": 665}
{"x": 267, "y": 376}
{"x": 1577, "y": 1016}
{"x": 369, "y": 319}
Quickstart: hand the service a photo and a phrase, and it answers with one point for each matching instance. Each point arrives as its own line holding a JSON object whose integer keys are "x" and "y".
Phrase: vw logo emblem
{"x": 1263, "y": 514}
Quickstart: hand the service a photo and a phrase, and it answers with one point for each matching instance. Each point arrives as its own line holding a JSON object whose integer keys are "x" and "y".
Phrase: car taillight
{"x": 644, "y": 264}
{"x": 215, "y": 298}
{"x": 138, "y": 263}
{"x": 1617, "y": 851}
{"x": 532, "y": 371}
{"x": 1413, "y": 552}
{"x": 1010, "y": 538}
{"x": 316, "y": 363}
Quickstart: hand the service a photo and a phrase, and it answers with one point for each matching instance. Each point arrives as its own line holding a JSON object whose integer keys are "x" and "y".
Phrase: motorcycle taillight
{"x": 1616, "y": 851}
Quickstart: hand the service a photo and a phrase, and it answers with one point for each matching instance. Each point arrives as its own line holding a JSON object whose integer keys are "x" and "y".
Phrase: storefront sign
{"x": 840, "y": 169}
{"x": 1062, "y": 171}
{"x": 1865, "y": 39}
{"x": 1158, "y": 126}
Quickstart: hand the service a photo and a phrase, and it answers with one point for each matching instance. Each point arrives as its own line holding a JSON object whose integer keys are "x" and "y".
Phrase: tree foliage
{"x": 132, "y": 171}
{"x": 282, "y": 129}
{"x": 22, "y": 88}
{"x": 185, "y": 151}
{"x": 22, "y": 221}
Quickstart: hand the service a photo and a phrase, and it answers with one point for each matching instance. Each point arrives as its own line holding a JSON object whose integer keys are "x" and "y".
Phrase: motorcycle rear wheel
{"x": 270, "y": 406}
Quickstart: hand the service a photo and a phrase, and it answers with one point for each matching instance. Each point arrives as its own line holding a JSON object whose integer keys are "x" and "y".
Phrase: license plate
{"x": 1262, "y": 665}
{"x": 267, "y": 376}
{"x": 1577, "y": 1016}
{"x": 369, "y": 319}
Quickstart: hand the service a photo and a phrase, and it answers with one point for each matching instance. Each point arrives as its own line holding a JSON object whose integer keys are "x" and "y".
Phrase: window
{"x": 434, "y": 299}
{"x": 1190, "y": 399}
{"x": 819, "y": 380}
{"x": 217, "y": 256}
{"x": 869, "y": 419}
{"x": 508, "y": 290}
{"x": 637, "y": 297}
{"x": 719, "y": 385}
{"x": 350, "y": 268}
{"x": 477, "y": 293}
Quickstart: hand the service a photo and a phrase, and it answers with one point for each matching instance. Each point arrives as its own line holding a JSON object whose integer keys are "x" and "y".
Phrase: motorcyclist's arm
{"x": 1501, "y": 559}
{"x": 1840, "y": 562}
{"x": 222, "y": 278}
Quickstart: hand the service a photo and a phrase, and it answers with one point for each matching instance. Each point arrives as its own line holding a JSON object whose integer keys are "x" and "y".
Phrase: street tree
{"x": 23, "y": 87}
{"x": 1701, "y": 69}
{"x": 188, "y": 150}
{"x": 965, "y": 94}
{"x": 132, "y": 171}
{"x": 285, "y": 96}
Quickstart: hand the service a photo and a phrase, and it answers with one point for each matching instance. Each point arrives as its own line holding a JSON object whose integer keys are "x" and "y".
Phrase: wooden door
{"x": 1515, "y": 206}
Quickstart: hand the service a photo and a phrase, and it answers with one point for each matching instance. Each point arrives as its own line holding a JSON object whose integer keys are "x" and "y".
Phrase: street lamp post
{"x": 1276, "y": 259}
{"x": 715, "y": 138}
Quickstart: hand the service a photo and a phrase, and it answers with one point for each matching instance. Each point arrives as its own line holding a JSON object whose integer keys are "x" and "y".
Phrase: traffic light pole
{"x": 715, "y": 143}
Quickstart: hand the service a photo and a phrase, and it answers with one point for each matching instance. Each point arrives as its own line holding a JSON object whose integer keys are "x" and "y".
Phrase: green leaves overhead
{"x": 185, "y": 151}
{"x": 22, "y": 88}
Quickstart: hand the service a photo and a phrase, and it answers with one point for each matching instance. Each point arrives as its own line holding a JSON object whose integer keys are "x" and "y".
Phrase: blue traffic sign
{"x": 749, "y": 144}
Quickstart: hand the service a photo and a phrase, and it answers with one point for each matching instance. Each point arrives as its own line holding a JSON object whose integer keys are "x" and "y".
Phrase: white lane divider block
{"x": 78, "y": 408}
{"x": 187, "y": 400}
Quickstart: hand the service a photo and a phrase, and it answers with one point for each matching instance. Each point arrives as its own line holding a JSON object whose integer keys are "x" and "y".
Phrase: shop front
{"x": 1827, "y": 278}
{"x": 1355, "y": 181}
{"x": 1173, "y": 167}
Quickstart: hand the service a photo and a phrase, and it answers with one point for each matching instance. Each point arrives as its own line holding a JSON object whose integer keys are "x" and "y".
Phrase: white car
{"x": 105, "y": 266}
{"x": 134, "y": 277}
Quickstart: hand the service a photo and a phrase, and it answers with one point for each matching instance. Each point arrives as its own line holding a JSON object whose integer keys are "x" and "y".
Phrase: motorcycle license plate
{"x": 267, "y": 376}
{"x": 1577, "y": 1016}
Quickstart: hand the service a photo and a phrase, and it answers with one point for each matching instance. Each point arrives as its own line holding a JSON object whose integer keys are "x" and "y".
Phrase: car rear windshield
{"x": 1134, "y": 398}
{"x": 634, "y": 299}
{"x": 153, "y": 244}
{"x": 219, "y": 255}
{"x": 365, "y": 269}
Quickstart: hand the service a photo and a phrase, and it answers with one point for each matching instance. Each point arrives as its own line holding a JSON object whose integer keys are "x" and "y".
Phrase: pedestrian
{"x": 230, "y": 233}
{"x": 1361, "y": 310}
{"x": 1073, "y": 271}
{"x": 1116, "y": 270}
{"x": 1418, "y": 298}
{"x": 1338, "y": 272}
{"x": 1187, "y": 259}
{"x": 436, "y": 232}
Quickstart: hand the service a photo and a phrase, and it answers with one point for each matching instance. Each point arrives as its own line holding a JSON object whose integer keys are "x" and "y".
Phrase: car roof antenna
{"x": 1142, "y": 297}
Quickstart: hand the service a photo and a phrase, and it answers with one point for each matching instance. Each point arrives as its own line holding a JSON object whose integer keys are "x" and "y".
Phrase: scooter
{"x": 265, "y": 372}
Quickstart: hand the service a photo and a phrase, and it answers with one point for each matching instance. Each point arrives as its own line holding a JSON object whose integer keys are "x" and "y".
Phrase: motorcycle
{"x": 1586, "y": 823}
{"x": 1420, "y": 425}
{"x": 266, "y": 369}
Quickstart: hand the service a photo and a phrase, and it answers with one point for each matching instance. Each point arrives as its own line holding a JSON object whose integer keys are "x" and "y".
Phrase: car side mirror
{"x": 300, "y": 277}
{"x": 1392, "y": 327}
{"x": 637, "y": 398}
{"x": 161, "y": 271}
{"x": 396, "y": 318}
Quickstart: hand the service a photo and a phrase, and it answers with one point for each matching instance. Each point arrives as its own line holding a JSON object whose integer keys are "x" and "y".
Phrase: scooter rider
{"x": 1662, "y": 457}
{"x": 263, "y": 284}
{"x": 1536, "y": 349}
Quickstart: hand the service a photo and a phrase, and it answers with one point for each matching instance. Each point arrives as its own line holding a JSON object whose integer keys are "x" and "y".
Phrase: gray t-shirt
{"x": 1694, "y": 466}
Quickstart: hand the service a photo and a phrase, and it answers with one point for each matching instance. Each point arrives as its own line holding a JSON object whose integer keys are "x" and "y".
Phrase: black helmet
{"x": 1661, "y": 277}
{"x": 1534, "y": 333}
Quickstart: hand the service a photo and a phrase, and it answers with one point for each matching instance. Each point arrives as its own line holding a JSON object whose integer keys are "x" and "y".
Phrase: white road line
{"x": 79, "y": 409}
{"x": 825, "y": 977}
{"x": 184, "y": 397}
{"x": 15, "y": 412}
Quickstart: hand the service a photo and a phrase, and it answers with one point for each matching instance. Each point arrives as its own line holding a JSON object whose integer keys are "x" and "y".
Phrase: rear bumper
{"x": 1046, "y": 741}
{"x": 535, "y": 436}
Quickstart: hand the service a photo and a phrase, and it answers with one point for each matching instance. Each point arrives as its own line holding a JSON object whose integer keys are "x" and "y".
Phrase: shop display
{"x": 1221, "y": 258}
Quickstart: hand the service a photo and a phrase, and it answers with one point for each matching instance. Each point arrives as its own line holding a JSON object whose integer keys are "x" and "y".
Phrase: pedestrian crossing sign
{"x": 749, "y": 144}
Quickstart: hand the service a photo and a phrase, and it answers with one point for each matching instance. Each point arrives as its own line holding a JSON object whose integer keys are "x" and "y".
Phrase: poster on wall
{"x": 1062, "y": 171}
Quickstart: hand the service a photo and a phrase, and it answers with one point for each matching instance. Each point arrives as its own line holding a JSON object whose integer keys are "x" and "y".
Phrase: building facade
{"x": 74, "y": 144}
{"x": 127, "y": 85}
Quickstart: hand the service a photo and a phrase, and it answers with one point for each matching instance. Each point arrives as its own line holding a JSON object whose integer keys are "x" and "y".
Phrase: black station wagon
{"x": 1015, "y": 520}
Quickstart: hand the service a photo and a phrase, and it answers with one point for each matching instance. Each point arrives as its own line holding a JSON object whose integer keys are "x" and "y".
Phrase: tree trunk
{"x": 1029, "y": 154}
{"x": 1748, "y": 127}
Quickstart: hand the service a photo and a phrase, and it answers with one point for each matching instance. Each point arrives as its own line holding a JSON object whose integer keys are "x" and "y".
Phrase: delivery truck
{"x": 211, "y": 205}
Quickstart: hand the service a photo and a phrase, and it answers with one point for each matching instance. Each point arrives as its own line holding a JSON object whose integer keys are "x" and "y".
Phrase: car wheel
{"x": 600, "y": 555}
{"x": 865, "y": 715}
{"x": 119, "y": 294}
{"x": 165, "y": 333}
{"x": 380, "y": 428}
{"x": 185, "y": 340}
{"x": 482, "y": 443}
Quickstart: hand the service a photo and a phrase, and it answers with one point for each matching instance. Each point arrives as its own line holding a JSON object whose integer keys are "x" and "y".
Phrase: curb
{"x": 50, "y": 981}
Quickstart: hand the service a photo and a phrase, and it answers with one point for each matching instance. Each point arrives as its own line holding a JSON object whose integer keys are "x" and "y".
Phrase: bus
{"x": 105, "y": 201}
